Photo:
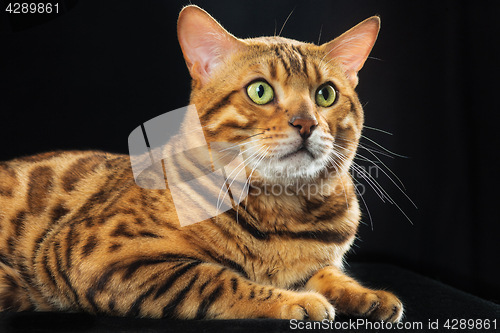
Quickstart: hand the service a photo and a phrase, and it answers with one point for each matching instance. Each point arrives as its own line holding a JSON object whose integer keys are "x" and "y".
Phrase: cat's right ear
{"x": 204, "y": 42}
{"x": 352, "y": 48}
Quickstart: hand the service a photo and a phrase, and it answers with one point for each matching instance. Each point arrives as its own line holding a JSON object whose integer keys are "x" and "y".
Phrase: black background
{"x": 89, "y": 76}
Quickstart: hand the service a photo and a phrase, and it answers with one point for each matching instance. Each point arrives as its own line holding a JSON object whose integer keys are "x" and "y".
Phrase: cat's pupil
{"x": 260, "y": 90}
{"x": 325, "y": 93}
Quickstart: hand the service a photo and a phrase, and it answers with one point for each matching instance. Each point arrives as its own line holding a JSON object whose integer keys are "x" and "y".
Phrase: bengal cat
{"x": 78, "y": 234}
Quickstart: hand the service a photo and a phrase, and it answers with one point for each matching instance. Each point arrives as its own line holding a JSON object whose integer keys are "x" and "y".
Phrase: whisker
{"x": 251, "y": 136}
{"x": 239, "y": 145}
{"x": 375, "y": 186}
{"x": 393, "y": 180}
{"x": 255, "y": 167}
{"x": 389, "y": 198}
{"x": 359, "y": 155}
{"x": 286, "y": 21}
{"x": 334, "y": 164}
{"x": 380, "y": 161}
{"x": 369, "y": 178}
{"x": 371, "y": 150}
{"x": 365, "y": 146}
{"x": 219, "y": 202}
{"x": 376, "y": 129}
{"x": 211, "y": 164}
{"x": 225, "y": 181}
{"x": 381, "y": 193}
{"x": 387, "y": 150}
{"x": 248, "y": 182}
{"x": 363, "y": 158}
{"x": 322, "y": 59}
{"x": 320, "y": 31}
{"x": 243, "y": 168}
{"x": 364, "y": 202}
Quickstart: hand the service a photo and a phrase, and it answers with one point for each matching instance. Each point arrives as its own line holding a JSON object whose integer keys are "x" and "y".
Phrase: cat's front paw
{"x": 307, "y": 306}
{"x": 376, "y": 305}
{"x": 390, "y": 307}
{"x": 351, "y": 298}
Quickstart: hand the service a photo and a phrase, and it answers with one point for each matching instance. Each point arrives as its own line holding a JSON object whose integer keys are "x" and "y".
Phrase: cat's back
{"x": 40, "y": 178}
{"x": 41, "y": 189}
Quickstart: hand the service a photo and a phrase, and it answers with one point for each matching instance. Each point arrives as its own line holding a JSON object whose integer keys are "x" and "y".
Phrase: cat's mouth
{"x": 301, "y": 151}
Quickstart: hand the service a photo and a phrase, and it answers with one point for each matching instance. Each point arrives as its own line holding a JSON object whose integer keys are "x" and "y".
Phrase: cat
{"x": 78, "y": 234}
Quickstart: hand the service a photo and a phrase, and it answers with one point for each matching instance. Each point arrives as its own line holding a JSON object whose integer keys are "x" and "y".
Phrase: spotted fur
{"x": 78, "y": 234}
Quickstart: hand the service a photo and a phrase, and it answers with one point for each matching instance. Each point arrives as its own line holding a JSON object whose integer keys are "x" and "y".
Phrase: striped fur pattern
{"x": 77, "y": 233}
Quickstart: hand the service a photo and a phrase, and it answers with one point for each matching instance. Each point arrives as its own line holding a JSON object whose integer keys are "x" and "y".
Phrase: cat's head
{"x": 291, "y": 106}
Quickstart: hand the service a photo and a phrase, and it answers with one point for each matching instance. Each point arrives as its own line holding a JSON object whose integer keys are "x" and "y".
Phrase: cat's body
{"x": 78, "y": 234}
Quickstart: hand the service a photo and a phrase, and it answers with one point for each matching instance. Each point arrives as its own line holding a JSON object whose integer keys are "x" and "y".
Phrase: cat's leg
{"x": 194, "y": 290}
{"x": 350, "y": 298}
{"x": 13, "y": 297}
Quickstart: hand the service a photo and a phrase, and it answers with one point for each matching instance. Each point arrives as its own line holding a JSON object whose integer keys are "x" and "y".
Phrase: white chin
{"x": 295, "y": 167}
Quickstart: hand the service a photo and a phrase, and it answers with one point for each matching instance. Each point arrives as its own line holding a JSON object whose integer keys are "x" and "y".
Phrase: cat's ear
{"x": 352, "y": 48}
{"x": 204, "y": 42}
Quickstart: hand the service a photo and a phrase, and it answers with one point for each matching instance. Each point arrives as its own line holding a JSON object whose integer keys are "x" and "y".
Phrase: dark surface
{"x": 425, "y": 301}
{"x": 87, "y": 78}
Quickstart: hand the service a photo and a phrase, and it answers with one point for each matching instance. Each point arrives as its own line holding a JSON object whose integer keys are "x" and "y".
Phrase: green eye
{"x": 326, "y": 95}
{"x": 260, "y": 92}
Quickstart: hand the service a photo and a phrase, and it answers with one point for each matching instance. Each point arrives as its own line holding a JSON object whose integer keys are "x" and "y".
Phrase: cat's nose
{"x": 305, "y": 126}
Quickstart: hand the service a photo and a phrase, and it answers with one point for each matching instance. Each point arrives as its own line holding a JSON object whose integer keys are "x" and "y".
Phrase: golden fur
{"x": 78, "y": 234}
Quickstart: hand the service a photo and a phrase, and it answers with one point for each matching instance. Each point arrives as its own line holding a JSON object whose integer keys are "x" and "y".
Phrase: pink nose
{"x": 305, "y": 126}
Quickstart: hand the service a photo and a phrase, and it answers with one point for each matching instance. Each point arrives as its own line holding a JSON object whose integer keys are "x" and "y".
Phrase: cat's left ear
{"x": 204, "y": 42}
{"x": 352, "y": 48}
